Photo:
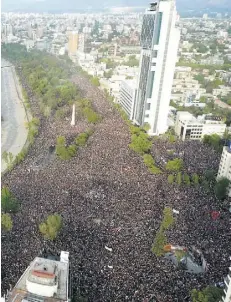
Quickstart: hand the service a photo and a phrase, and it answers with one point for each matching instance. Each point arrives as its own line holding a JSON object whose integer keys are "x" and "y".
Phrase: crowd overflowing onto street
{"x": 112, "y": 208}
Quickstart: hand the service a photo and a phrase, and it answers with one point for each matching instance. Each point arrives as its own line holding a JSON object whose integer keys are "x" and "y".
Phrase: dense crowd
{"x": 112, "y": 208}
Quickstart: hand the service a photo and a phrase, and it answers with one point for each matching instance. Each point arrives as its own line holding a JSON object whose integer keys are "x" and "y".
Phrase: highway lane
{"x": 14, "y": 132}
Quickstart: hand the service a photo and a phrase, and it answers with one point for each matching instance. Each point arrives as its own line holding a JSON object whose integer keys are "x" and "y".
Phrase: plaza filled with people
{"x": 111, "y": 208}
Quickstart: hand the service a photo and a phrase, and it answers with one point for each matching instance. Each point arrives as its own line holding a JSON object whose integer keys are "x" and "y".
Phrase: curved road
{"x": 14, "y": 132}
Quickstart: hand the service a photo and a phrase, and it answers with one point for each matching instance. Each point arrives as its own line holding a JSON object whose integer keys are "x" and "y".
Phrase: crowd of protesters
{"x": 112, "y": 208}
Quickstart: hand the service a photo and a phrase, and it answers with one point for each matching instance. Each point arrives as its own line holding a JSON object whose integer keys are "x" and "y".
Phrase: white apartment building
{"x": 113, "y": 85}
{"x": 225, "y": 167}
{"x": 159, "y": 42}
{"x": 188, "y": 126}
{"x": 81, "y": 42}
{"x": 182, "y": 72}
{"x": 127, "y": 96}
{"x": 222, "y": 91}
{"x": 85, "y": 60}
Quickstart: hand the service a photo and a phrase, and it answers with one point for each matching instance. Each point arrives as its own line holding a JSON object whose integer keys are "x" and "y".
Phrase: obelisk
{"x": 73, "y": 116}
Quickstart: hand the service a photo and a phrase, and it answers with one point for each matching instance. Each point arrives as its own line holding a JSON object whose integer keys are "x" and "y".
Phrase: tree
{"x": 51, "y": 227}
{"x": 5, "y": 157}
{"x": 229, "y": 102}
{"x": 200, "y": 78}
{"x": 203, "y": 99}
{"x": 205, "y": 184}
{"x": 159, "y": 243}
{"x": 71, "y": 150}
{"x": 179, "y": 178}
{"x": 221, "y": 188}
{"x": 108, "y": 74}
{"x": 85, "y": 108}
{"x": 154, "y": 170}
{"x": 168, "y": 219}
{"x": 201, "y": 48}
{"x": 226, "y": 135}
{"x": 146, "y": 127}
{"x": 148, "y": 160}
{"x": 172, "y": 138}
{"x": 210, "y": 175}
{"x": 6, "y": 222}
{"x": 174, "y": 165}
{"x": 91, "y": 116}
{"x": 95, "y": 81}
{"x": 140, "y": 143}
{"x": 209, "y": 294}
{"x": 213, "y": 140}
{"x": 135, "y": 129}
{"x": 81, "y": 139}
{"x": 171, "y": 179}
{"x": 186, "y": 179}
{"x": 132, "y": 61}
{"x": 9, "y": 203}
{"x": 213, "y": 85}
{"x": 61, "y": 149}
{"x": 195, "y": 179}
{"x": 8, "y": 158}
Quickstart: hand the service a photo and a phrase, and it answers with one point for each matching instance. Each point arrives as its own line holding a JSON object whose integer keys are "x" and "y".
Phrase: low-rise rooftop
{"x": 44, "y": 280}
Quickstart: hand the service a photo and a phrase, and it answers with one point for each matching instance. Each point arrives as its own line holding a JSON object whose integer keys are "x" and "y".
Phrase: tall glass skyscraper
{"x": 159, "y": 41}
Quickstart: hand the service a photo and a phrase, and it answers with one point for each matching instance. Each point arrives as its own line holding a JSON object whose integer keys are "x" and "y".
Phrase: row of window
{"x": 195, "y": 136}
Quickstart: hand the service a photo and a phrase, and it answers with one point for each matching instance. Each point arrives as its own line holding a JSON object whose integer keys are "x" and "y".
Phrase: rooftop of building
{"x": 43, "y": 276}
{"x": 201, "y": 119}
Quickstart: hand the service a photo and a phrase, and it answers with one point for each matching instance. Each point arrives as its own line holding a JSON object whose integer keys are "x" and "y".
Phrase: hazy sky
{"x": 75, "y": 4}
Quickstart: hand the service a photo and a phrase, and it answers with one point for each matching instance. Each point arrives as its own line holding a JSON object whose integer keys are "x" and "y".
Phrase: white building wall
{"x": 144, "y": 52}
{"x": 126, "y": 98}
{"x": 209, "y": 129}
{"x": 198, "y": 128}
{"x": 41, "y": 290}
{"x": 167, "y": 81}
{"x": 225, "y": 165}
{"x": 164, "y": 70}
{"x": 227, "y": 290}
{"x": 152, "y": 107}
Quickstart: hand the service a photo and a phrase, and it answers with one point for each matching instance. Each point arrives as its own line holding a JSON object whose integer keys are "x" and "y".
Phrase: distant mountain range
{"x": 77, "y": 5}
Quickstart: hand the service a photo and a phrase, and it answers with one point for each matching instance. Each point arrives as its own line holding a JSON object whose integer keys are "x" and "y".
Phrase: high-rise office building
{"x": 159, "y": 42}
{"x": 225, "y": 166}
{"x": 227, "y": 288}
{"x": 72, "y": 43}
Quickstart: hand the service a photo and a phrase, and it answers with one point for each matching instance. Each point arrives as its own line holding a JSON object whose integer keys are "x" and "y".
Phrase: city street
{"x": 14, "y": 132}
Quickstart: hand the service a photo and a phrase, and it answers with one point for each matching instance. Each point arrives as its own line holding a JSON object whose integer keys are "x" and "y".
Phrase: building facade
{"x": 81, "y": 42}
{"x": 72, "y": 43}
{"x": 127, "y": 96}
{"x": 225, "y": 166}
{"x": 159, "y": 42}
{"x": 188, "y": 126}
{"x": 227, "y": 289}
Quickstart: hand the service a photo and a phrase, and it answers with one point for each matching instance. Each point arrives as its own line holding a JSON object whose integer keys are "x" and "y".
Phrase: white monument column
{"x": 73, "y": 116}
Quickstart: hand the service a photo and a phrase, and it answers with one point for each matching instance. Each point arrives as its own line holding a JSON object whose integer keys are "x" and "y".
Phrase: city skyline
{"x": 52, "y": 5}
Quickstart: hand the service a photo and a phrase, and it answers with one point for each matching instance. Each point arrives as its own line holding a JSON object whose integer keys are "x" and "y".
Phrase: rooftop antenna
{"x": 153, "y": 6}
